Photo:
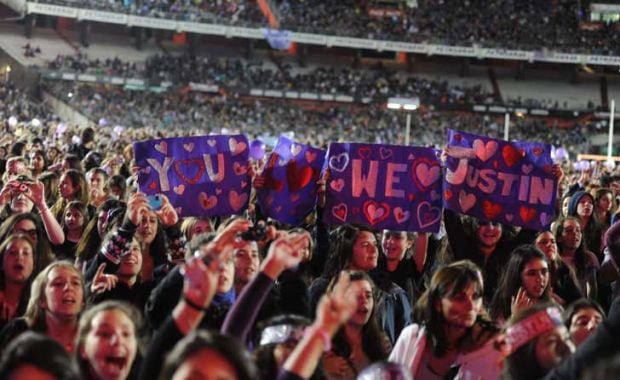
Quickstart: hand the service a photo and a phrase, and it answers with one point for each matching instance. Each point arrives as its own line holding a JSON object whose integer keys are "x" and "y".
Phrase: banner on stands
{"x": 201, "y": 175}
{"x": 290, "y": 180}
{"x": 384, "y": 186}
{"x": 495, "y": 180}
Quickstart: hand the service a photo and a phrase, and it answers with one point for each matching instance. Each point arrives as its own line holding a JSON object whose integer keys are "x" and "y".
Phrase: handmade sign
{"x": 290, "y": 181}
{"x": 501, "y": 181}
{"x": 384, "y": 186}
{"x": 201, "y": 175}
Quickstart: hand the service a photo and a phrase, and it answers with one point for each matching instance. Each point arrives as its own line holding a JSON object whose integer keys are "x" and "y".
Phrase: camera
{"x": 19, "y": 187}
{"x": 155, "y": 202}
{"x": 256, "y": 233}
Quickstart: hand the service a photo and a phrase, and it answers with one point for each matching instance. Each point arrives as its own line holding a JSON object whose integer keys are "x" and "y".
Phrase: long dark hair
{"x": 510, "y": 280}
{"x": 42, "y": 250}
{"x": 90, "y": 242}
{"x": 374, "y": 340}
{"x": 449, "y": 281}
{"x": 342, "y": 240}
{"x": 581, "y": 264}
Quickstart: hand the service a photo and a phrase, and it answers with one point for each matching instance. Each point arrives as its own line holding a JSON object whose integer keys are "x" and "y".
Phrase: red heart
{"x": 448, "y": 194}
{"x": 538, "y": 151}
{"x": 297, "y": 177}
{"x": 527, "y": 213}
{"x": 491, "y": 210}
{"x": 376, "y": 212}
{"x": 364, "y": 152}
{"x": 411, "y": 197}
{"x": 190, "y": 167}
{"x": 547, "y": 169}
{"x": 457, "y": 137}
{"x": 153, "y": 185}
{"x": 340, "y": 212}
{"x": 270, "y": 182}
{"x": 511, "y": 155}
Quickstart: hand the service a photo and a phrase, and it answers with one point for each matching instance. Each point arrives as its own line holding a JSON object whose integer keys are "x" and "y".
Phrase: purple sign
{"x": 501, "y": 181}
{"x": 384, "y": 186}
{"x": 290, "y": 176}
{"x": 201, "y": 175}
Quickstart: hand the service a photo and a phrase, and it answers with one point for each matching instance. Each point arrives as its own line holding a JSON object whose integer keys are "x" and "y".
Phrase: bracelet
{"x": 193, "y": 304}
{"x": 327, "y": 340}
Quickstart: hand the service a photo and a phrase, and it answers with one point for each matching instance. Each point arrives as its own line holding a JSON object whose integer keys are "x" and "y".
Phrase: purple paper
{"x": 384, "y": 186}
{"x": 201, "y": 175}
{"x": 291, "y": 175}
{"x": 496, "y": 180}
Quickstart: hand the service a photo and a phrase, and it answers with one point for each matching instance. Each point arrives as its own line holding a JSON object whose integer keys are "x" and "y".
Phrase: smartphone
{"x": 155, "y": 201}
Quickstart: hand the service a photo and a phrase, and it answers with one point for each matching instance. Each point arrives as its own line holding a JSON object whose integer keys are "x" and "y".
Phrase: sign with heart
{"x": 289, "y": 180}
{"x": 201, "y": 175}
{"x": 383, "y": 186}
{"x": 500, "y": 181}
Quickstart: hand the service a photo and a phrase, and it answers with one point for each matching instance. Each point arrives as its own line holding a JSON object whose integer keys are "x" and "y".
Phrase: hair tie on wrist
{"x": 193, "y": 304}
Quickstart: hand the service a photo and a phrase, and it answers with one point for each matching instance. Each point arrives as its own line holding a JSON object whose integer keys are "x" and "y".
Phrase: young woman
{"x": 581, "y": 206}
{"x": 72, "y": 187}
{"x": 405, "y": 261}
{"x": 574, "y": 254}
{"x": 16, "y": 273}
{"x": 56, "y": 301}
{"x": 524, "y": 283}
{"x": 192, "y": 226}
{"x": 562, "y": 279}
{"x": 453, "y": 334}
{"x": 604, "y": 206}
{"x": 107, "y": 341}
{"x": 23, "y": 195}
{"x": 38, "y": 163}
{"x": 360, "y": 341}
{"x": 29, "y": 224}
{"x": 76, "y": 216}
{"x": 108, "y": 217}
{"x": 354, "y": 247}
{"x": 581, "y": 318}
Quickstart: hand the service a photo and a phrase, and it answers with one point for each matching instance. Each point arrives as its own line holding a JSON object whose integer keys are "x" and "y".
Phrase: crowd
{"x": 521, "y": 25}
{"x": 194, "y": 111}
{"x": 99, "y": 281}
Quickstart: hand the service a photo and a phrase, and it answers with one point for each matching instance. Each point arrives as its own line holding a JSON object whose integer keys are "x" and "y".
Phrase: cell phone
{"x": 155, "y": 201}
{"x": 257, "y": 232}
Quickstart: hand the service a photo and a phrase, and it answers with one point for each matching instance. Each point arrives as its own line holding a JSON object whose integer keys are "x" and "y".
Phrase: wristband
{"x": 327, "y": 340}
{"x": 194, "y": 305}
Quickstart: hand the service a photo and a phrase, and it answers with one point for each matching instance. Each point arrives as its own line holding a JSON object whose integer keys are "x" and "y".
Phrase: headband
{"x": 530, "y": 328}
{"x": 280, "y": 334}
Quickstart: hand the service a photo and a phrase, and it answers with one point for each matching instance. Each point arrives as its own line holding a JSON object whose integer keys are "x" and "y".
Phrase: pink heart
{"x": 310, "y": 156}
{"x": 337, "y": 184}
{"x": 162, "y": 147}
{"x": 180, "y": 189}
{"x": 188, "y": 146}
{"x": 237, "y": 201}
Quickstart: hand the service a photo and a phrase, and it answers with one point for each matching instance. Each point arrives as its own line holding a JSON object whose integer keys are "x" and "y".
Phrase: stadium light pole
{"x": 406, "y": 104}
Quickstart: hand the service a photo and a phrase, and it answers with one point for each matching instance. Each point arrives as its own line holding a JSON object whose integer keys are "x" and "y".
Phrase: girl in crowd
{"x": 574, "y": 254}
{"x": 453, "y": 334}
{"x": 360, "y": 341}
{"x": 354, "y": 247}
{"x": 107, "y": 341}
{"x": 562, "y": 280}
{"x": 38, "y": 163}
{"x": 21, "y": 196}
{"x": 36, "y": 356}
{"x": 18, "y": 263}
{"x": 604, "y": 206}
{"x": 405, "y": 261}
{"x": 193, "y": 226}
{"x": 581, "y": 206}
{"x": 56, "y": 301}
{"x": 72, "y": 187}
{"x": 581, "y": 318}
{"x": 524, "y": 283}
{"x": 109, "y": 214}
{"x": 125, "y": 284}
{"x": 76, "y": 216}
{"x": 485, "y": 243}
{"x": 28, "y": 224}
{"x": 118, "y": 187}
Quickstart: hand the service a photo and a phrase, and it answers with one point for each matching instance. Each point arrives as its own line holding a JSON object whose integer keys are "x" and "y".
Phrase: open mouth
{"x": 18, "y": 268}
{"x": 69, "y": 301}
{"x": 115, "y": 364}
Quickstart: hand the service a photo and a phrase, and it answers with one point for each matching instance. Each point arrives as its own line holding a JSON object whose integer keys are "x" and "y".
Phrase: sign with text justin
{"x": 500, "y": 181}
{"x": 201, "y": 175}
{"x": 384, "y": 186}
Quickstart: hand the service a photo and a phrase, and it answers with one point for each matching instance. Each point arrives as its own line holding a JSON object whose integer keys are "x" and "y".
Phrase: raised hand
{"x": 137, "y": 208}
{"x": 520, "y": 302}
{"x": 284, "y": 253}
{"x": 200, "y": 280}
{"x": 166, "y": 213}
{"x": 337, "y": 306}
{"x": 36, "y": 193}
{"x": 103, "y": 282}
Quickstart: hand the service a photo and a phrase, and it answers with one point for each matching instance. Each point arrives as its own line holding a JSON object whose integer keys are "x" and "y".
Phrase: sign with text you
{"x": 290, "y": 181}
{"x": 384, "y": 186}
{"x": 501, "y": 181}
{"x": 201, "y": 175}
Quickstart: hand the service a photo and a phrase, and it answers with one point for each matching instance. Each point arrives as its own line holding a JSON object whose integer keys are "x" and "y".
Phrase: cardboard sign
{"x": 201, "y": 175}
{"x": 501, "y": 181}
{"x": 384, "y": 186}
{"x": 290, "y": 176}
